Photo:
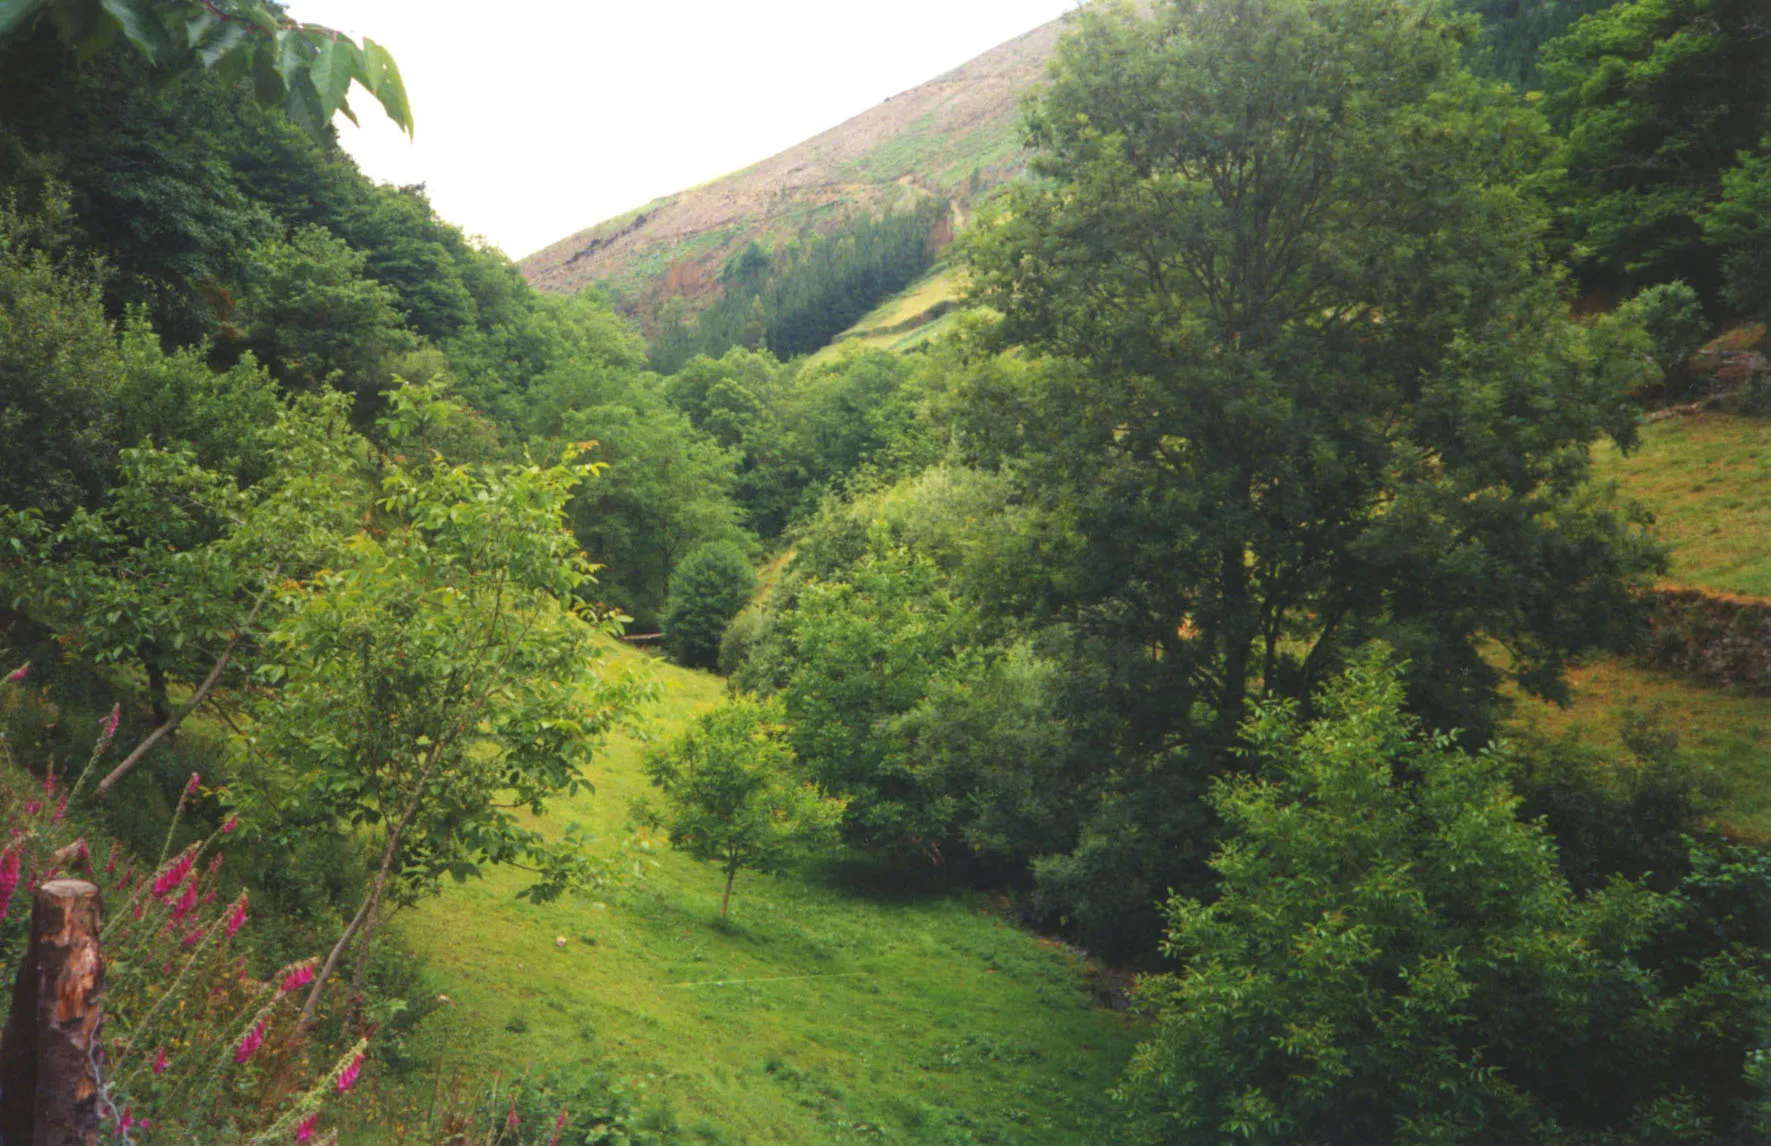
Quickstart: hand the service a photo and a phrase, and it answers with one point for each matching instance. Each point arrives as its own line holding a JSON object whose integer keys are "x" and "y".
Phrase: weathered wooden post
{"x": 50, "y": 1050}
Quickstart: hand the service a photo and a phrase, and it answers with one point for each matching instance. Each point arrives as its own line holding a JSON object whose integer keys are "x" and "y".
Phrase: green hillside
{"x": 906, "y": 320}
{"x": 1707, "y": 480}
{"x": 823, "y": 1012}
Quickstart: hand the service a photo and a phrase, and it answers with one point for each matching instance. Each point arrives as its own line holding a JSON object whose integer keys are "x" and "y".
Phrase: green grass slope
{"x": 825, "y": 1011}
{"x": 906, "y": 320}
{"x": 1707, "y": 480}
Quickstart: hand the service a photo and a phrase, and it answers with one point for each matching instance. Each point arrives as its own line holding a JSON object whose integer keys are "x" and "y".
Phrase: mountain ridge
{"x": 954, "y": 136}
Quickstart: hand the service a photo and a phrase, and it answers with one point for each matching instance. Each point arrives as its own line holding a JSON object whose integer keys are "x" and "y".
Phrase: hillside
{"x": 824, "y": 1011}
{"x": 954, "y": 136}
{"x": 1704, "y": 480}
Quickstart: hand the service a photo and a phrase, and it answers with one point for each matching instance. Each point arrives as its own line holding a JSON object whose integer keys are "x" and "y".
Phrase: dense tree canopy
{"x": 1657, "y": 100}
{"x": 1308, "y": 310}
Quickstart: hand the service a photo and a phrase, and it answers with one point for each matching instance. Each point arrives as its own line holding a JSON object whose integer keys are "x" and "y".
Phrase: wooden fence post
{"x": 49, "y": 1053}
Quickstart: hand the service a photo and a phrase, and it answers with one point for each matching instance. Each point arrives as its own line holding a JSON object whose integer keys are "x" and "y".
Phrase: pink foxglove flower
{"x": 160, "y": 1061}
{"x": 107, "y": 729}
{"x": 511, "y": 1122}
{"x": 237, "y": 917}
{"x": 297, "y": 979}
{"x": 559, "y": 1126}
{"x": 215, "y": 864}
{"x": 17, "y": 675}
{"x": 194, "y": 937}
{"x": 250, "y": 1044}
{"x": 306, "y": 1130}
{"x": 175, "y": 875}
{"x": 227, "y": 829}
{"x": 49, "y": 784}
{"x": 8, "y": 880}
{"x": 190, "y": 788}
{"x": 111, "y": 860}
{"x": 348, "y": 1079}
{"x": 33, "y": 807}
{"x": 186, "y": 904}
{"x": 61, "y": 809}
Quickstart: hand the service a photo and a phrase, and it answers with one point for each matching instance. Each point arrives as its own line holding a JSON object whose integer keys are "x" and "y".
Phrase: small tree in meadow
{"x": 706, "y": 592}
{"x": 733, "y": 792}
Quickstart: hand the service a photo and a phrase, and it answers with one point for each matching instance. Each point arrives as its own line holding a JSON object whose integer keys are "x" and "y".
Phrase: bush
{"x": 1394, "y": 956}
{"x": 1671, "y": 314}
{"x": 707, "y": 590}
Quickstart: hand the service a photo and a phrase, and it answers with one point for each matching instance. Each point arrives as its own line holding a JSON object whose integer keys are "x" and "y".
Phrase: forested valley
{"x": 1286, "y": 659}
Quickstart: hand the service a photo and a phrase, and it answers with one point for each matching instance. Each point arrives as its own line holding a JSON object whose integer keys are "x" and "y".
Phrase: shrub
{"x": 1394, "y": 956}
{"x": 707, "y": 590}
{"x": 1671, "y": 314}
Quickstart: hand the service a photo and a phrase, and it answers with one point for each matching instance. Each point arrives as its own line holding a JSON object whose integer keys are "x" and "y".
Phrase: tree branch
{"x": 203, "y": 690}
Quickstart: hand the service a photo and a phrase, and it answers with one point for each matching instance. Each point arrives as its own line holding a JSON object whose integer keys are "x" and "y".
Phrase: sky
{"x": 537, "y": 120}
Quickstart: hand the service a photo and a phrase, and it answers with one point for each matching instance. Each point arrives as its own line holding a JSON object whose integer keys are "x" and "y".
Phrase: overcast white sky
{"x": 539, "y": 119}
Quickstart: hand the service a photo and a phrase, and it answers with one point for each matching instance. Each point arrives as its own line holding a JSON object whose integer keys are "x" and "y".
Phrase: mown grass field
{"x": 827, "y": 1011}
{"x": 1707, "y": 480}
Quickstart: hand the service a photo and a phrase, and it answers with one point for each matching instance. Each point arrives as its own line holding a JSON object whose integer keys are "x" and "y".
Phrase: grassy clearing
{"x": 892, "y": 325}
{"x": 825, "y": 1011}
{"x": 1708, "y": 480}
{"x": 1726, "y": 733}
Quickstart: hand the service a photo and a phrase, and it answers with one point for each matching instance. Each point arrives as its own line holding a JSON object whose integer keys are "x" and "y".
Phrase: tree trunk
{"x": 157, "y": 691}
{"x": 373, "y": 900}
{"x": 361, "y": 972}
{"x": 50, "y": 1052}
{"x": 350, "y": 932}
{"x": 725, "y": 903}
{"x": 169, "y": 722}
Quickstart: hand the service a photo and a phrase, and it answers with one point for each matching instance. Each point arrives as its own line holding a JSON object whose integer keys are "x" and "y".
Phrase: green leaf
{"x": 293, "y": 55}
{"x": 304, "y": 107}
{"x": 224, "y": 49}
{"x": 336, "y": 62}
{"x": 82, "y": 25}
{"x": 261, "y": 16}
{"x": 382, "y": 77}
{"x": 267, "y": 84}
{"x": 141, "y": 27}
{"x": 18, "y": 16}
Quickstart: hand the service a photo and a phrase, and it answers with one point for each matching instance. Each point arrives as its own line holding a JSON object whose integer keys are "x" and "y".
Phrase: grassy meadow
{"x": 1708, "y": 480}
{"x": 895, "y": 324}
{"x": 827, "y": 1010}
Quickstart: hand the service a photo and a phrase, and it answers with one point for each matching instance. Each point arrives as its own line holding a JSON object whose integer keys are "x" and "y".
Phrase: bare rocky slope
{"x": 954, "y": 136}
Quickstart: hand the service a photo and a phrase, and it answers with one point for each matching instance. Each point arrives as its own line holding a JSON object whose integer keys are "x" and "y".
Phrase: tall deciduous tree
{"x": 1323, "y": 383}
{"x": 706, "y": 591}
